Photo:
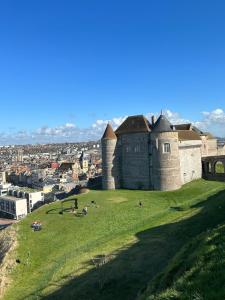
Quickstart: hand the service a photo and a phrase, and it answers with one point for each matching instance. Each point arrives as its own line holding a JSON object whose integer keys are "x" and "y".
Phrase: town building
{"x": 13, "y": 207}
{"x": 2, "y": 177}
{"x": 34, "y": 198}
{"x": 83, "y": 162}
{"x": 4, "y": 188}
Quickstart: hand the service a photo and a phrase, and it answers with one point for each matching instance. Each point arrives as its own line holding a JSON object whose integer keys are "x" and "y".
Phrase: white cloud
{"x": 213, "y": 121}
{"x": 70, "y": 125}
{"x": 173, "y": 117}
{"x": 100, "y": 125}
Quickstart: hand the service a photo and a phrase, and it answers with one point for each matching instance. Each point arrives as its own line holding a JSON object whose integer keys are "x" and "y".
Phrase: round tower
{"x": 166, "y": 174}
{"x": 110, "y": 174}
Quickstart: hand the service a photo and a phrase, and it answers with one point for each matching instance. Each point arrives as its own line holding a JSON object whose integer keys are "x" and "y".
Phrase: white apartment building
{"x": 34, "y": 199}
{"x": 4, "y": 187}
{"x": 14, "y": 207}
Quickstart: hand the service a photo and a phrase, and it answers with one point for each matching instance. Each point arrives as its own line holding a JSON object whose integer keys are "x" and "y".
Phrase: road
{"x": 6, "y": 222}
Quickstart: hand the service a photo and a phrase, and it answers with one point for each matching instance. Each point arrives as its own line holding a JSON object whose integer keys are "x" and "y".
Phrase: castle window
{"x": 137, "y": 148}
{"x": 166, "y": 148}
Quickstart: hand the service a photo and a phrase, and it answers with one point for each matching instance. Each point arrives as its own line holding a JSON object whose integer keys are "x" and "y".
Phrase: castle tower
{"x": 166, "y": 174}
{"x": 110, "y": 174}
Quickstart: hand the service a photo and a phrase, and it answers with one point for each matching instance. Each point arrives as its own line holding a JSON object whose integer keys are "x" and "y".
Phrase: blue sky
{"x": 76, "y": 64}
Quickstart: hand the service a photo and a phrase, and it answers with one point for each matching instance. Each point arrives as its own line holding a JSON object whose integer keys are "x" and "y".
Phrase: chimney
{"x": 153, "y": 120}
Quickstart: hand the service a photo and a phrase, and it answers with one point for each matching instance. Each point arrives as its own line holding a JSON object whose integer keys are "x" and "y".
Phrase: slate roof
{"x": 134, "y": 124}
{"x": 182, "y": 126}
{"x": 109, "y": 133}
{"x": 162, "y": 125}
{"x": 139, "y": 123}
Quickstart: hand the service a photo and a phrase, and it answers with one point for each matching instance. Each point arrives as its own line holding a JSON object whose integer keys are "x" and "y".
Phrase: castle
{"x": 153, "y": 155}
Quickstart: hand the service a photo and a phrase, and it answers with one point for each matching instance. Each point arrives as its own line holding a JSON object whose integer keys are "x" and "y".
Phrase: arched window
{"x": 166, "y": 148}
{"x": 219, "y": 168}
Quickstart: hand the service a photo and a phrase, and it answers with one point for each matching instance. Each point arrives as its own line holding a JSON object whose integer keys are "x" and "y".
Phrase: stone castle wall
{"x": 221, "y": 150}
{"x": 134, "y": 160}
{"x": 209, "y": 146}
{"x": 190, "y": 160}
{"x": 165, "y": 166}
{"x": 110, "y": 167}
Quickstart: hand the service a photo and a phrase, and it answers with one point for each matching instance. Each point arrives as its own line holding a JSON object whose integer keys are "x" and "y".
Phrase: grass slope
{"x": 56, "y": 263}
{"x": 196, "y": 272}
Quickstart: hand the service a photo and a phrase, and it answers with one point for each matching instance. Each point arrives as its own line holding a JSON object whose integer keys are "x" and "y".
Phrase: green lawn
{"x": 139, "y": 243}
{"x": 196, "y": 272}
{"x": 219, "y": 168}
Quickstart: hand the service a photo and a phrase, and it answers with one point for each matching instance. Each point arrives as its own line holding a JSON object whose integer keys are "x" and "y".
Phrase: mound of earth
{"x": 83, "y": 191}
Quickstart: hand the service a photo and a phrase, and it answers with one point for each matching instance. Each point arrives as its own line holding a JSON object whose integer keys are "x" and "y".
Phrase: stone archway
{"x": 213, "y": 167}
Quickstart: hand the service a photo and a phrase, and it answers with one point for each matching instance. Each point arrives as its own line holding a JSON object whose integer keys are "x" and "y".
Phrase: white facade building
{"x": 34, "y": 199}
{"x": 14, "y": 207}
{"x": 4, "y": 187}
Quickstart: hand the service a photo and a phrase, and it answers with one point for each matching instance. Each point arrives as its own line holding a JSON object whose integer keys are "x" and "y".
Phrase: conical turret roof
{"x": 109, "y": 133}
{"x": 162, "y": 124}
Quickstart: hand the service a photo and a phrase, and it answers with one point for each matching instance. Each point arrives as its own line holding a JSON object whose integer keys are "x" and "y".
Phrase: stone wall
{"x": 134, "y": 161}
{"x": 209, "y": 146}
{"x": 165, "y": 166}
{"x": 212, "y": 147}
{"x": 190, "y": 160}
{"x": 110, "y": 174}
{"x": 221, "y": 150}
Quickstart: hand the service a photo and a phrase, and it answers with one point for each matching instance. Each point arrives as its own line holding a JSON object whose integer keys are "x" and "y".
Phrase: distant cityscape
{"x": 31, "y": 175}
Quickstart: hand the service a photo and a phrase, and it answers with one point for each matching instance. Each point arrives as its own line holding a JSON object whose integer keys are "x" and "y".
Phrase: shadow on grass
{"x": 58, "y": 210}
{"x": 177, "y": 208}
{"x": 65, "y": 210}
{"x": 124, "y": 274}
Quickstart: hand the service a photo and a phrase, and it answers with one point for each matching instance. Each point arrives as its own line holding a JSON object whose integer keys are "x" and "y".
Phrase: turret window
{"x": 166, "y": 148}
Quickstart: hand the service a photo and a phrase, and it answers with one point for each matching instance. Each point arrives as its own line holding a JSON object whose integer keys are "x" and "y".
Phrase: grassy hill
{"x": 196, "y": 272}
{"x": 118, "y": 248}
